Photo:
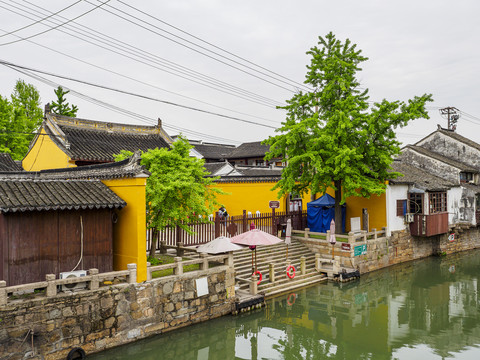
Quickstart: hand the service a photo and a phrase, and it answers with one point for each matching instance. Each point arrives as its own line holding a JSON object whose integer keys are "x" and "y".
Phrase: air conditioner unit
{"x": 408, "y": 218}
{"x": 73, "y": 274}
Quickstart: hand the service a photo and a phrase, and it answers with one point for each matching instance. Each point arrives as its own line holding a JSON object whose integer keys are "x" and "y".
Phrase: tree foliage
{"x": 177, "y": 190}
{"x": 332, "y": 137}
{"x": 20, "y": 117}
{"x": 61, "y": 106}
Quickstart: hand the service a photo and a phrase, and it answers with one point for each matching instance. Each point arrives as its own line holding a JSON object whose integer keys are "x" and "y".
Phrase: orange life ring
{"x": 291, "y": 299}
{"x": 259, "y": 276}
{"x": 291, "y": 275}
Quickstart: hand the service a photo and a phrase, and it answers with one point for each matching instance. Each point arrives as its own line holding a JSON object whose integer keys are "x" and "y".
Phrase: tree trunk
{"x": 153, "y": 244}
{"x": 338, "y": 207}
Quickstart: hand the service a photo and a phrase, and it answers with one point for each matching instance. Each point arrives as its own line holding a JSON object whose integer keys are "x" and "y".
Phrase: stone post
{"x": 307, "y": 230}
{"x": 317, "y": 262}
{"x": 51, "y": 286}
{"x": 149, "y": 271}
{"x": 271, "y": 272}
{"x": 374, "y": 234}
{"x": 302, "y": 265}
{"x": 180, "y": 251}
{"x": 178, "y": 270}
{"x": 163, "y": 248}
{"x": 94, "y": 283}
{"x": 3, "y": 293}
{"x": 253, "y": 285}
{"x": 351, "y": 238}
{"x": 204, "y": 263}
{"x": 229, "y": 261}
{"x": 132, "y": 276}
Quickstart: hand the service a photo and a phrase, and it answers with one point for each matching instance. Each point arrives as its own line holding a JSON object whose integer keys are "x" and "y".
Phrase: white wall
{"x": 394, "y": 193}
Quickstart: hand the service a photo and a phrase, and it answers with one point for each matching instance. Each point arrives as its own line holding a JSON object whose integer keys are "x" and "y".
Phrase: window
{"x": 466, "y": 177}
{"x": 415, "y": 203}
{"x": 401, "y": 207}
{"x": 438, "y": 202}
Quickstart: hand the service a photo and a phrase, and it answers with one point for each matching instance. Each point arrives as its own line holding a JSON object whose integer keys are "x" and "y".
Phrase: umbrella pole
{"x": 253, "y": 269}
{"x": 333, "y": 250}
{"x": 287, "y": 251}
{"x": 255, "y": 259}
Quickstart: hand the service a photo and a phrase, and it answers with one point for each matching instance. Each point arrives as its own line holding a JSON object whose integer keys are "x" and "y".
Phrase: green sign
{"x": 360, "y": 250}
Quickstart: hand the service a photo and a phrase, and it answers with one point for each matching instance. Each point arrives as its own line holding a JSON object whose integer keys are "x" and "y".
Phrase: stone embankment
{"x": 50, "y": 327}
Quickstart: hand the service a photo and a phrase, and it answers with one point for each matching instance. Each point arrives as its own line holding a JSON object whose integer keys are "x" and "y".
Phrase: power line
{"x": 41, "y": 20}
{"x": 16, "y": 67}
{"x": 213, "y": 45}
{"x": 55, "y": 27}
{"x": 134, "y": 55}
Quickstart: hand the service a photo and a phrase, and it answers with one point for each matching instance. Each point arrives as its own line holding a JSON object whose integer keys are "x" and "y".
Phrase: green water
{"x": 427, "y": 309}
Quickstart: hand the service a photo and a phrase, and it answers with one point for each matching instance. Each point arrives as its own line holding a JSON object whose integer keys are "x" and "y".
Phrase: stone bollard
{"x": 303, "y": 269}
{"x": 253, "y": 285}
{"x": 229, "y": 261}
{"x": 132, "y": 276}
{"x": 163, "y": 248}
{"x": 204, "y": 263}
{"x": 317, "y": 262}
{"x": 94, "y": 283}
{"x": 307, "y": 230}
{"x": 51, "y": 286}
{"x": 178, "y": 270}
{"x": 180, "y": 251}
{"x": 351, "y": 238}
{"x": 149, "y": 271}
{"x": 375, "y": 235}
{"x": 3, "y": 293}
{"x": 271, "y": 272}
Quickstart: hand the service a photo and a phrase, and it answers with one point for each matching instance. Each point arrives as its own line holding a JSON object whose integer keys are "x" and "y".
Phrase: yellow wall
{"x": 253, "y": 196}
{"x": 45, "y": 154}
{"x": 129, "y": 233}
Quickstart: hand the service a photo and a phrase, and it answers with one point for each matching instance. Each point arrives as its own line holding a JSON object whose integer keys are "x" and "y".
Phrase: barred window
{"x": 438, "y": 202}
{"x": 415, "y": 203}
{"x": 401, "y": 207}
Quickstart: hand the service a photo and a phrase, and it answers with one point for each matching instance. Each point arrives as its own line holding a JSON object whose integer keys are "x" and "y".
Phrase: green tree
{"x": 61, "y": 106}
{"x": 19, "y": 119}
{"x": 177, "y": 190}
{"x": 332, "y": 137}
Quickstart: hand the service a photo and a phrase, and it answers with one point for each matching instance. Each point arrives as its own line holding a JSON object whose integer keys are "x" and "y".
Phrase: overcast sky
{"x": 414, "y": 47}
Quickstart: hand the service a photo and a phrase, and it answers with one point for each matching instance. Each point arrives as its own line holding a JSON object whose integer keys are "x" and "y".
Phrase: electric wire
{"x": 188, "y": 47}
{"x": 133, "y": 55}
{"x": 55, "y": 27}
{"x": 41, "y": 20}
{"x": 213, "y": 45}
{"x": 17, "y": 67}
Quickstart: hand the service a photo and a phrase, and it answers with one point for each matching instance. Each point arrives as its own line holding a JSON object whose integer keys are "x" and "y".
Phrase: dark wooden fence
{"x": 271, "y": 222}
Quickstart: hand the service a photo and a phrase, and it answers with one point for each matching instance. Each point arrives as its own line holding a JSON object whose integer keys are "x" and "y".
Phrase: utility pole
{"x": 452, "y": 116}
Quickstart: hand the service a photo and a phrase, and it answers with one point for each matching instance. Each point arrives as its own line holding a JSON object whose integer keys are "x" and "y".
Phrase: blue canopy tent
{"x": 320, "y": 213}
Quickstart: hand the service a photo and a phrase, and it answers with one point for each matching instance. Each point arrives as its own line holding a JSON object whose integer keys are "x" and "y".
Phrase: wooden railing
{"x": 94, "y": 280}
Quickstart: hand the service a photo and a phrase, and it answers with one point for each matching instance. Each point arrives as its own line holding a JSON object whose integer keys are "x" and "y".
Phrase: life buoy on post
{"x": 76, "y": 353}
{"x": 259, "y": 276}
{"x": 291, "y": 274}
{"x": 291, "y": 299}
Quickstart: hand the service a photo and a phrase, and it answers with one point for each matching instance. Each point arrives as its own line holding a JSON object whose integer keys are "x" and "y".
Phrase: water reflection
{"x": 425, "y": 309}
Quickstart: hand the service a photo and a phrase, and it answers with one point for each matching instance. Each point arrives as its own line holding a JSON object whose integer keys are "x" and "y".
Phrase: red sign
{"x": 274, "y": 204}
{"x": 346, "y": 246}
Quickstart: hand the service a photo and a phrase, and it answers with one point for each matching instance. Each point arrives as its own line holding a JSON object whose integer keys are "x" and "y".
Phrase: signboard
{"x": 346, "y": 246}
{"x": 451, "y": 237}
{"x": 360, "y": 250}
{"x": 274, "y": 204}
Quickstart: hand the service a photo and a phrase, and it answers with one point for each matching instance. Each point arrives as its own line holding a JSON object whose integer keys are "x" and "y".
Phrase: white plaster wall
{"x": 454, "y": 196}
{"x": 394, "y": 193}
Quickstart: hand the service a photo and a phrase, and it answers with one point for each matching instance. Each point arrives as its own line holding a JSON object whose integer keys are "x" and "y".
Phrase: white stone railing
{"x": 93, "y": 279}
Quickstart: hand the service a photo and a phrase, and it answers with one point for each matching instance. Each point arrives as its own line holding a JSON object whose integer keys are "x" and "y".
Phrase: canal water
{"x": 426, "y": 309}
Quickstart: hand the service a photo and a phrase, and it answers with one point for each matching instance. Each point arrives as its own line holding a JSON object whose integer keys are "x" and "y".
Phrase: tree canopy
{"x": 332, "y": 137}
{"x": 177, "y": 190}
{"x": 20, "y": 117}
{"x": 61, "y": 106}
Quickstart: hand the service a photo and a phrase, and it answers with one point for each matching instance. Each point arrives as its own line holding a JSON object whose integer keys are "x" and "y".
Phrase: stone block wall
{"x": 111, "y": 316}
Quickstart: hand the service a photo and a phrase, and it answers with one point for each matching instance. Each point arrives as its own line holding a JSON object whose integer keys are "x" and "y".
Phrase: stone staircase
{"x": 276, "y": 254}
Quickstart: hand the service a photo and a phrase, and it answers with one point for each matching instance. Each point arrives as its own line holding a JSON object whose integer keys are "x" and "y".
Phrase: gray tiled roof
{"x": 419, "y": 178}
{"x": 444, "y": 159}
{"x": 212, "y": 168}
{"x": 125, "y": 168}
{"x": 259, "y": 171}
{"x": 214, "y": 151}
{"x": 31, "y": 195}
{"x": 459, "y": 138}
{"x": 7, "y": 163}
{"x": 248, "y": 150}
{"x": 95, "y": 141}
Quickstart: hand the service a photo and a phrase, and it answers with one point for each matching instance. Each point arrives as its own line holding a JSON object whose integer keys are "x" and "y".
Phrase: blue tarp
{"x": 320, "y": 213}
